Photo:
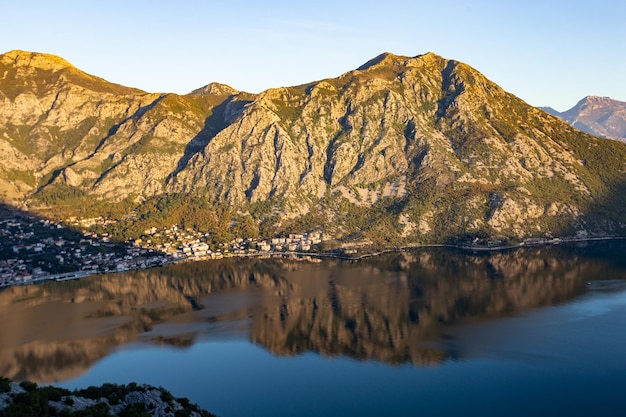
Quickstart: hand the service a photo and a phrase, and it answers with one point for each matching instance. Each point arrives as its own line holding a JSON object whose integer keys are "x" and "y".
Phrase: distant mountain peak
{"x": 597, "y": 101}
{"x": 601, "y": 99}
{"x": 35, "y": 59}
{"x": 598, "y": 115}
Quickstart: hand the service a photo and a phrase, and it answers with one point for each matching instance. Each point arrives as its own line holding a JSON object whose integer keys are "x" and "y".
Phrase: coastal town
{"x": 34, "y": 250}
{"x": 37, "y": 250}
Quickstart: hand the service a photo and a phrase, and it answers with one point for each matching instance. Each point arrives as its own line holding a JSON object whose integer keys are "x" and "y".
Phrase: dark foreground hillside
{"x": 132, "y": 400}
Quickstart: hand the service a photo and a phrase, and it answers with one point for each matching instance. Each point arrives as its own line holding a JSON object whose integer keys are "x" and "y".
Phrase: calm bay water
{"x": 534, "y": 331}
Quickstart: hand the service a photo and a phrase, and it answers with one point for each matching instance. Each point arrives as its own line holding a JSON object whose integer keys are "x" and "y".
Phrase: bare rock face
{"x": 437, "y": 126}
{"x": 421, "y": 148}
{"x": 599, "y": 116}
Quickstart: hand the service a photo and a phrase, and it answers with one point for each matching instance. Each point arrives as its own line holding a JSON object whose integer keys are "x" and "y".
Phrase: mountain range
{"x": 599, "y": 116}
{"x": 401, "y": 150}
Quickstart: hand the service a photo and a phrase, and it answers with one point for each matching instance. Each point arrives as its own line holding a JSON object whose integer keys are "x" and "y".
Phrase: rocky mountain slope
{"x": 600, "y": 116}
{"x": 400, "y": 150}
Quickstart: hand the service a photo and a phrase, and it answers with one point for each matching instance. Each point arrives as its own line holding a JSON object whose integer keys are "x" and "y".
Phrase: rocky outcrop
{"x": 401, "y": 150}
{"x": 27, "y": 398}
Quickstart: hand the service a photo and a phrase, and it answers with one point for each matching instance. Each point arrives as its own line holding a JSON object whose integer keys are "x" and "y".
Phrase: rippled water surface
{"x": 534, "y": 331}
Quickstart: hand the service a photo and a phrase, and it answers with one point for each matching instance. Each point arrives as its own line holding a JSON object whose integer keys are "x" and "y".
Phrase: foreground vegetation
{"x": 27, "y": 399}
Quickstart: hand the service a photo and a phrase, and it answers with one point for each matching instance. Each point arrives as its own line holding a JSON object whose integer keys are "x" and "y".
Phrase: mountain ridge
{"x": 399, "y": 150}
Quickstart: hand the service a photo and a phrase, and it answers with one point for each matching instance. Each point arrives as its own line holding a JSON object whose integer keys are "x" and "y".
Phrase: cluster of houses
{"x": 297, "y": 242}
{"x": 13, "y": 270}
{"x": 181, "y": 243}
{"x": 37, "y": 250}
{"x": 195, "y": 245}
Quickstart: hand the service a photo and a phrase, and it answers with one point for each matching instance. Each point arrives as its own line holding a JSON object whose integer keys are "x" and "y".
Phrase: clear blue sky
{"x": 548, "y": 52}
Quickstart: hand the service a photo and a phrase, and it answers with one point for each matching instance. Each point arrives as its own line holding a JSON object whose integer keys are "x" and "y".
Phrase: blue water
{"x": 433, "y": 332}
{"x": 568, "y": 359}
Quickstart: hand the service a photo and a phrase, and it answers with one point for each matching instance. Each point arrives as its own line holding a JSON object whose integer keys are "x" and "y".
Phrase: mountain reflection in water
{"x": 394, "y": 308}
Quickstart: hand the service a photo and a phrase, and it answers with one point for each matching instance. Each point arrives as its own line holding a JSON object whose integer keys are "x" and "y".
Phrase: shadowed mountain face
{"x": 599, "y": 116}
{"x": 402, "y": 149}
{"x": 396, "y": 308}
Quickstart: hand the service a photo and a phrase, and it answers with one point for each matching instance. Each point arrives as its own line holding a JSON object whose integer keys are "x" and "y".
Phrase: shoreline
{"x": 348, "y": 257}
{"x": 551, "y": 242}
{"x": 321, "y": 255}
